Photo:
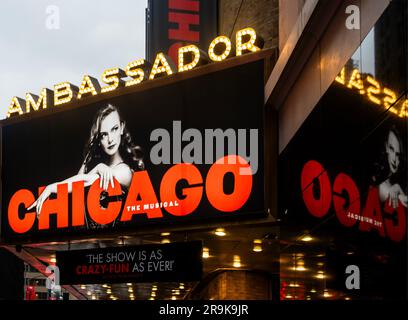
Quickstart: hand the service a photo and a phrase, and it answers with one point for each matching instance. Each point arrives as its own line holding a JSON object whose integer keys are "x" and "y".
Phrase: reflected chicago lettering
{"x": 319, "y": 194}
{"x": 141, "y": 193}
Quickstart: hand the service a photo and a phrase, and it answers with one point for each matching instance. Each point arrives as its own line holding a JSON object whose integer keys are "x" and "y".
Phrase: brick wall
{"x": 237, "y": 285}
{"x": 262, "y": 15}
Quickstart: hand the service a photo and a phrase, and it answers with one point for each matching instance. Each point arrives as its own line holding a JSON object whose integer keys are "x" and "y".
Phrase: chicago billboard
{"x": 188, "y": 151}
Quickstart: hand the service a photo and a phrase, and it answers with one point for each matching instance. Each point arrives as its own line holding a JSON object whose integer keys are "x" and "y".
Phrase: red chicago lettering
{"x": 242, "y": 183}
{"x": 347, "y": 202}
{"x": 343, "y": 184}
{"x": 186, "y": 22}
{"x": 96, "y": 212}
{"x": 141, "y": 195}
{"x": 192, "y": 195}
{"x": 314, "y": 175}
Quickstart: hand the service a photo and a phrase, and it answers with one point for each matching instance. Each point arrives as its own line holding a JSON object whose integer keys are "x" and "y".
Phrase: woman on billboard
{"x": 109, "y": 154}
{"x": 390, "y": 189}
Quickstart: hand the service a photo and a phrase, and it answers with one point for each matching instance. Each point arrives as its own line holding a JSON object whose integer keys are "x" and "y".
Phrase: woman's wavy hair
{"x": 131, "y": 154}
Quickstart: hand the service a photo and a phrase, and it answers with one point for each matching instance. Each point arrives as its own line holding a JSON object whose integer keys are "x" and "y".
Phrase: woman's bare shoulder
{"x": 123, "y": 173}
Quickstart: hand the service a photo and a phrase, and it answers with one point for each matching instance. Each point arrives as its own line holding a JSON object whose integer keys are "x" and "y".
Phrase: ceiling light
{"x": 129, "y": 284}
{"x": 257, "y": 245}
{"x": 153, "y": 294}
{"x": 83, "y": 287}
{"x": 165, "y": 240}
{"x": 181, "y": 286}
{"x": 220, "y": 232}
{"x": 299, "y": 268}
{"x": 237, "y": 261}
{"x": 306, "y": 238}
{"x": 173, "y": 298}
{"x": 165, "y": 234}
{"x": 206, "y": 253}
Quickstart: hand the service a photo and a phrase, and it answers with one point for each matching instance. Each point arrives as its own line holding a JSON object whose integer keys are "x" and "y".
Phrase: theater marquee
{"x": 186, "y": 152}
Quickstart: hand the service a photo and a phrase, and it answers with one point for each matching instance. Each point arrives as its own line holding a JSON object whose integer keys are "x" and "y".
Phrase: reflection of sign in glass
{"x": 374, "y": 91}
{"x": 173, "y": 262}
{"x": 386, "y": 216}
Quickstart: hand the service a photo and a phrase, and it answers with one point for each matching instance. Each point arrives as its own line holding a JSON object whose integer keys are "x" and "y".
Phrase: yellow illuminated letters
{"x": 192, "y": 49}
{"x": 214, "y": 52}
{"x": 134, "y": 70}
{"x": 356, "y": 82}
{"x": 36, "y": 102}
{"x": 189, "y": 57}
{"x": 88, "y": 85}
{"x": 341, "y": 78}
{"x": 112, "y": 77}
{"x": 15, "y": 107}
{"x": 63, "y": 93}
{"x": 160, "y": 66}
{"x": 373, "y": 89}
{"x": 249, "y": 45}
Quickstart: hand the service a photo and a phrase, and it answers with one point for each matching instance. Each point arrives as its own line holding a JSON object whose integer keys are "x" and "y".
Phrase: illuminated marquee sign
{"x": 180, "y": 261}
{"x": 102, "y": 168}
{"x": 190, "y": 56}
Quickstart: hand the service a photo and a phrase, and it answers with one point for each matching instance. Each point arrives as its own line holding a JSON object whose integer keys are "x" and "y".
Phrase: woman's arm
{"x": 52, "y": 188}
{"x": 392, "y": 193}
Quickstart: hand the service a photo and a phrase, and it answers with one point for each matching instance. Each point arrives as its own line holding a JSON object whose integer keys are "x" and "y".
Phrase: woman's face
{"x": 110, "y": 133}
{"x": 393, "y": 152}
